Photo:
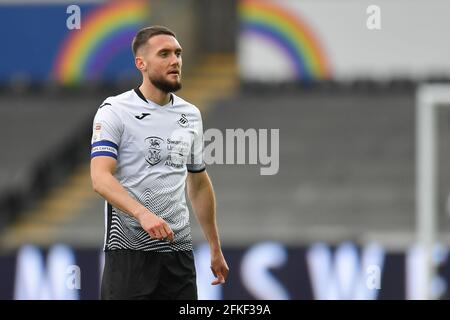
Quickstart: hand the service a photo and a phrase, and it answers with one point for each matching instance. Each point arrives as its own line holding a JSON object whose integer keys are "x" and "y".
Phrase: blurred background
{"x": 338, "y": 79}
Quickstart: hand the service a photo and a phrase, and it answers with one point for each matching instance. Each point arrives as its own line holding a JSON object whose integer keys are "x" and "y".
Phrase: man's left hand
{"x": 219, "y": 268}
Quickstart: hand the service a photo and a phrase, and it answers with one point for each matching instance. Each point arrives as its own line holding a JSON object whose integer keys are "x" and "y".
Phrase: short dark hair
{"x": 141, "y": 38}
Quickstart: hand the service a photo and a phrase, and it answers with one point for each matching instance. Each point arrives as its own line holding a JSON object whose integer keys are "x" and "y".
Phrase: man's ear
{"x": 140, "y": 63}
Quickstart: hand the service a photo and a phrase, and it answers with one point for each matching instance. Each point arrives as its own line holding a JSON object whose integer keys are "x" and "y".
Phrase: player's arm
{"x": 201, "y": 195}
{"x": 105, "y": 184}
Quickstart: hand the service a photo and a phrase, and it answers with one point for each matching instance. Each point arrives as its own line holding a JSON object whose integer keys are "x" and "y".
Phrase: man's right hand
{"x": 105, "y": 183}
{"x": 155, "y": 226}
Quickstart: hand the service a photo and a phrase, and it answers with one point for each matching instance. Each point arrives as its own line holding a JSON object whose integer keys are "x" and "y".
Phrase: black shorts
{"x": 148, "y": 275}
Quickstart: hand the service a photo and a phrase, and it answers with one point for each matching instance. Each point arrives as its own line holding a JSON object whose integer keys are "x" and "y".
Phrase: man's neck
{"x": 154, "y": 94}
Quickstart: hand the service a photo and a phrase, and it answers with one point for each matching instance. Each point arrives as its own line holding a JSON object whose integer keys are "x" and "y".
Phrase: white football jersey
{"x": 155, "y": 146}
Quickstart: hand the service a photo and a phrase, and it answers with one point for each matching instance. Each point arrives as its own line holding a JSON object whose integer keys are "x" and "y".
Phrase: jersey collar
{"x": 141, "y": 95}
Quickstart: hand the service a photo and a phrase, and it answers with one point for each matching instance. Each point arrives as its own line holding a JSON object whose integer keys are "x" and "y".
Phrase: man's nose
{"x": 175, "y": 60}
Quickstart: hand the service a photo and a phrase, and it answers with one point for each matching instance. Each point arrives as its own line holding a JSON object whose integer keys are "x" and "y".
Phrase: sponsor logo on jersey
{"x": 154, "y": 145}
{"x": 178, "y": 150}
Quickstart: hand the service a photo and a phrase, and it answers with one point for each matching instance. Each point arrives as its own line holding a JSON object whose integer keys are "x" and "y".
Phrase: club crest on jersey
{"x": 183, "y": 122}
{"x": 154, "y": 145}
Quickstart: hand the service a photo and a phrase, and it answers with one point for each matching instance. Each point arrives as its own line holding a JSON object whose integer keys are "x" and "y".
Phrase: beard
{"x": 164, "y": 85}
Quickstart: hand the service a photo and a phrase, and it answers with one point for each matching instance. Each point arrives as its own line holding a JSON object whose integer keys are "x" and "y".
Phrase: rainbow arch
{"x": 290, "y": 33}
{"x": 106, "y": 31}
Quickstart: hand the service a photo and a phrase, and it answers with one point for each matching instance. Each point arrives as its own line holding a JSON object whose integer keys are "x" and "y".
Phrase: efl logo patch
{"x": 97, "y": 132}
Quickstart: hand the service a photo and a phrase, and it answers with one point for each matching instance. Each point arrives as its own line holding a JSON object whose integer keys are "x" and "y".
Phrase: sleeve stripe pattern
{"x": 104, "y": 148}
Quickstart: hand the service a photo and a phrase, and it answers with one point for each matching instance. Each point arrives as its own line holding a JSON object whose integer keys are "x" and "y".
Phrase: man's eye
{"x": 178, "y": 54}
{"x": 163, "y": 54}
